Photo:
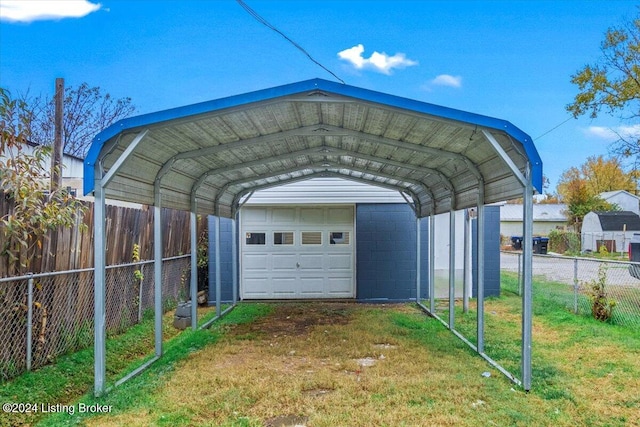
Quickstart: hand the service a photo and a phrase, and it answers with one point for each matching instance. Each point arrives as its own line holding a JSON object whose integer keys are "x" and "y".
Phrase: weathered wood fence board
{"x": 69, "y": 249}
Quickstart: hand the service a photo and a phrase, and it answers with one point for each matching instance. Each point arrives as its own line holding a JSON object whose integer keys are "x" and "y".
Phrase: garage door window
{"x": 311, "y": 238}
{"x": 255, "y": 238}
{"x": 283, "y": 238}
{"x": 339, "y": 237}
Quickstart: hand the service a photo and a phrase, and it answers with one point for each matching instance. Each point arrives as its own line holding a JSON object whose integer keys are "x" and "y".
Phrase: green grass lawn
{"x": 265, "y": 363}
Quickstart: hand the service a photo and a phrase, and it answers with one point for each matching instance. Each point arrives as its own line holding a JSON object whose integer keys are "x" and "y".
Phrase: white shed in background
{"x": 613, "y": 230}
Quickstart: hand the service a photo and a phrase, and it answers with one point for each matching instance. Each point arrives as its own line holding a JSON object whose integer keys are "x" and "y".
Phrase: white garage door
{"x": 297, "y": 252}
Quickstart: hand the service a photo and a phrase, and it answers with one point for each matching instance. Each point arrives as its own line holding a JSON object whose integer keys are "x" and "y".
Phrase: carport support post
{"x": 157, "y": 269}
{"x": 466, "y": 261}
{"x": 452, "y": 266}
{"x": 418, "y": 260}
{"x": 432, "y": 261}
{"x": 194, "y": 269}
{"x": 99, "y": 345}
{"x": 234, "y": 260}
{"x": 480, "y": 254}
{"x": 527, "y": 253}
{"x": 218, "y": 284}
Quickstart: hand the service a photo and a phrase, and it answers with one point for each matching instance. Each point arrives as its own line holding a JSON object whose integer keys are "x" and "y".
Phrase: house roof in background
{"x": 541, "y": 212}
{"x": 608, "y": 194}
{"x": 616, "y": 220}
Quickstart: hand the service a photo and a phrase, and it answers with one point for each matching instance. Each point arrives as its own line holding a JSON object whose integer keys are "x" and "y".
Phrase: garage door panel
{"x": 255, "y": 216}
{"x": 312, "y": 285}
{"x": 283, "y": 215}
{"x": 256, "y": 287}
{"x": 284, "y": 262}
{"x": 340, "y": 262}
{"x": 311, "y": 216}
{"x": 284, "y": 287}
{"x": 311, "y": 262}
{"x": 256, "y": 262}
{"x": 340, "y": 215}
{"x": 339, "y": 286}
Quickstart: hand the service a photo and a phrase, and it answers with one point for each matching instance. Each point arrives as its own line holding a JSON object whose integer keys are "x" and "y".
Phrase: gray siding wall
{"x": 491, "y": 252}
{"x": 226, "y": 272}
{"x": 386, "y": 252}
{"x": 325, "y": 191}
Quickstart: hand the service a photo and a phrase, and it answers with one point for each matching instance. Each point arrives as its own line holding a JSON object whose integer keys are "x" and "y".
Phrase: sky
{"x": 511, "y": 60}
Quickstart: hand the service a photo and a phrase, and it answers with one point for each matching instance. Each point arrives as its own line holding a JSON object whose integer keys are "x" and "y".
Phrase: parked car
{"x": 634, "y": 256}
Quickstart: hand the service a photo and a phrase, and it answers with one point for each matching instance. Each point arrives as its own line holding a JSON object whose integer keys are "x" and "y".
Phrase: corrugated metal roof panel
{"x": 242, "y": 142}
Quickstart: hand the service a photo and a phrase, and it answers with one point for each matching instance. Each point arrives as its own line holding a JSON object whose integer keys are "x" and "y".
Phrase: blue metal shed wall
{"x": 226, "y": 271}
{"x": 491, "y": 253}
{"x": 386, "y": 252}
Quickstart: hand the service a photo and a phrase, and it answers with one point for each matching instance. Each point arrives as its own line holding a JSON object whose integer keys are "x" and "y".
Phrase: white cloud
{"x": 443, "y": 80}
{"x": 380, "y": 62}
{"x": 40, "y": 10}
{"x": 447, "y": 80}
{"x": 613, "y": 134}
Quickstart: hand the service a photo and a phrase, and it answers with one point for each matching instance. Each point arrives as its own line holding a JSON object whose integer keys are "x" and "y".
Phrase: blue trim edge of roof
{"x": 300, "y": 87}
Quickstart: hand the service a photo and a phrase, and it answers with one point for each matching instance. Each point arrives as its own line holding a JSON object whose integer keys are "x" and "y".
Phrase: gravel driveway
{"x": 561, "y": 269}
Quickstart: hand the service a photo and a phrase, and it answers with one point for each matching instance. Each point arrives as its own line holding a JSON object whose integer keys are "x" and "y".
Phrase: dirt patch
{"x": 295, "y": 319}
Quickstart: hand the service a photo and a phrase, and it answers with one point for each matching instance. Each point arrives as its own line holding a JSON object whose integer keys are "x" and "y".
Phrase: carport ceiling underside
{"x": 218, "y": 152}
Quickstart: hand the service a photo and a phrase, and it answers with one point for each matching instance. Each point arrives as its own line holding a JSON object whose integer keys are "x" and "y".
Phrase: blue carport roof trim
{"x": 144, "y": 120}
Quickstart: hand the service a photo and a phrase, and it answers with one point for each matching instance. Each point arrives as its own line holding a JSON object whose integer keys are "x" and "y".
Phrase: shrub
{"x": 564, "y": 242}
{"x": 601, "y": 305}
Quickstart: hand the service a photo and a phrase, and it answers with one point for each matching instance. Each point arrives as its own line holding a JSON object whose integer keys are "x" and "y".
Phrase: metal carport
{"x": 208, "y": 158}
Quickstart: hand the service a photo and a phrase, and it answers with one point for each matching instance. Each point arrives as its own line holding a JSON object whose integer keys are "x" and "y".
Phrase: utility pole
{"x": 56, "y": 155}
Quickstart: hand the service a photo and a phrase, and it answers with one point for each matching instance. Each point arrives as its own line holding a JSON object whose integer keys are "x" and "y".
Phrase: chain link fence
{"x": 43, "y": 316}
{"x": 586, "y": 286}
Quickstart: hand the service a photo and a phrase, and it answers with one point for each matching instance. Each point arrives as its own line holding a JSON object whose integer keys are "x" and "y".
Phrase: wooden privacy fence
{"x": 72, "y": 248}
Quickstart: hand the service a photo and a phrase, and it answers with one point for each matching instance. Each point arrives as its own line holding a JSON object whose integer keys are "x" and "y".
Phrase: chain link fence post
{"x": 576, "y": 286}
{"x": 519, "y": 274}
{"x": 29, "y": 320}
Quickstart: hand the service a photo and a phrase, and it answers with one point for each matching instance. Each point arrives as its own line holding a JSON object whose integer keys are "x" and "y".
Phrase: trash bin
{"x": 536, "y": 245}
{"x": 516, "y": 242}
{"x": 634, "y": 256}
{"x": 544, "y": 245}
{"x": 540, "y": 245}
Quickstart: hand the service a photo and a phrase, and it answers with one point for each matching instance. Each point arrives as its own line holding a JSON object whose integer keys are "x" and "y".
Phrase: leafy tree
{"x": 580, "y": 187}
{"x": 612, "y": 85}
{"x": 24, "y": 180}
{"x": 606, "y": 175}
{"x": 87, "y": 111}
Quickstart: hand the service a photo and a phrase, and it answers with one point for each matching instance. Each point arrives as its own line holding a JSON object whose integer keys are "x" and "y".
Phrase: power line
{"x": 553, "y": 128}
{"x": 264, "y": 22}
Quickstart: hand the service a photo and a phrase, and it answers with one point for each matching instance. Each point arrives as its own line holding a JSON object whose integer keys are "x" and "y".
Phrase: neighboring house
{"x": 612, "y": 229}
{"x": 72, "y": 169}
{"x": 623, "y": 199}
{"x": 546, "y": 217}
{"x": 328, "y": 238}
{"x": 72, "y": 176}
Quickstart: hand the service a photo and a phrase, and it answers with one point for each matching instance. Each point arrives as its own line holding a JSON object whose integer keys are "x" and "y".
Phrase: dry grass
{"x": 308, "y": 364}
{"x": 304, "y": 364}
